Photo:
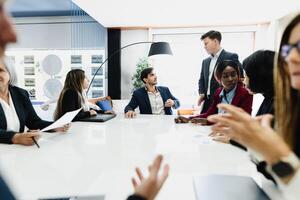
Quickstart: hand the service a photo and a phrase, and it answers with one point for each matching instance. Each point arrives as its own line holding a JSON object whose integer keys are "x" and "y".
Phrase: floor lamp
{"x": 156, "y": 48}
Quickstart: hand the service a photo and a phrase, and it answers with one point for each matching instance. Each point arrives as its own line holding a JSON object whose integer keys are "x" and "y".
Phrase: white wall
{"x": 280, "y": 25}
{"x": 130, "y": 56}
{"x": 181, "y": 72}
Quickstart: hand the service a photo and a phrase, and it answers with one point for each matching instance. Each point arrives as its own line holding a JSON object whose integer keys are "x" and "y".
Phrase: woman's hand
{"x": 219, "y": 137}
{"x": 63, "y": 129}
{"x": 150, "y": 186}
{"x": 213, "y": 134}
{"x": 254, "y": 133}
{"x": 202, "y": 121}
{"x": 109, "y": 112}
{"x": 93, "y": 113}
{"x": 103, "y": 98}
{"x": 181, "y": 119}
{"x": 26, "y": 138}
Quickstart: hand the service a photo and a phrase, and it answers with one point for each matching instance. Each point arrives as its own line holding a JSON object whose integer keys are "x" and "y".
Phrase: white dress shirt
{"x": 212, "y": 65}
{"x": 226, "y": 98}
{"x": 86, "y": 105}
{"x": 12, "y": 119}
{"x": 156, "y": 102}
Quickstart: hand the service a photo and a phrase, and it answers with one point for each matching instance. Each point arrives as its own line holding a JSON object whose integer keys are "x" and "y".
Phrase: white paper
{"x": 65, "y": 119}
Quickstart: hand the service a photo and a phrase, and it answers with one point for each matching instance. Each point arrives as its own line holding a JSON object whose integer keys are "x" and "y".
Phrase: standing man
{"x": 207, "y": 82}
{"x": 151, "y": 99}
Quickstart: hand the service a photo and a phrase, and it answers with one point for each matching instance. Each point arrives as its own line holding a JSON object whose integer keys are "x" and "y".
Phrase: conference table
{"x": 100, "y": 158}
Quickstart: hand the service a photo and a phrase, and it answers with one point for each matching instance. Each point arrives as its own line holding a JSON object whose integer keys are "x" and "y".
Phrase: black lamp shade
{"x": 160, "y": 48}
{"x": 155, "y": 49}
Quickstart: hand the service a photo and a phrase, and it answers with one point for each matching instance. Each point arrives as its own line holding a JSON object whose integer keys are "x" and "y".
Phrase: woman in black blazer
{"x": 259, "y": 78}
{"x": 16, "y": 112}
{"x": 73, "y": 97}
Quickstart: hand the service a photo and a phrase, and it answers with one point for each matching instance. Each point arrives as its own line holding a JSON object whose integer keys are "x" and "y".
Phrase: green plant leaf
{"x": 142, "y": 64}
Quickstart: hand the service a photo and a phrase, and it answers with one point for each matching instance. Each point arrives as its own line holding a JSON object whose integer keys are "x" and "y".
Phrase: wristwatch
{"x": 286, "y": 166}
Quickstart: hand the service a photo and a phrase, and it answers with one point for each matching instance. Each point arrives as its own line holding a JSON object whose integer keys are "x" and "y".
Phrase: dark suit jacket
{"x": 204, "y": 76}
{"x": 241, "y": 99}
{"x": 70, "y": 102}
{"x": 267, "y": 106}
{"x": 140, "y": 99}
{"x": 26, "y": 114}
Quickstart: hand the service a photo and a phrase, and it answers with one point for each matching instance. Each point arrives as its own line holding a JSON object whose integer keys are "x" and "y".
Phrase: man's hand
{"x": 201, "y": 99}
{"x": 169, "y": 103}
{"x": 130, "y": 114}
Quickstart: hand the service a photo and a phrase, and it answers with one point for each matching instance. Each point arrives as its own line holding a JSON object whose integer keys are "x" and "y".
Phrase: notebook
{"x": 98, "y": 118}
{"x": 225, "y": 187}
{"x": 104, "y": 105}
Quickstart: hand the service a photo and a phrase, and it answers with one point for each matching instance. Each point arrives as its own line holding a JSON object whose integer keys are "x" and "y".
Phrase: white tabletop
{"x": 99, "y": 158}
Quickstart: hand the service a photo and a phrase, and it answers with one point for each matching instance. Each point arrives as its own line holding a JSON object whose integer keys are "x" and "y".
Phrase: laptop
{"x": 98, "y": 118}
{"x": 97, "y": 197}
{"x": 227, "y": 187}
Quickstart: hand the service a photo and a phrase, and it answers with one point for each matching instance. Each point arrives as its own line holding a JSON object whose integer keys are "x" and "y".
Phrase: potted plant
{"x": 142, "y": 64}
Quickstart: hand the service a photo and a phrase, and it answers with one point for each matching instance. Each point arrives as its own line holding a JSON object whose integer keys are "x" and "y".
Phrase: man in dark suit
{"x": 151, "y": 99}
{"x": 207, "y": 82}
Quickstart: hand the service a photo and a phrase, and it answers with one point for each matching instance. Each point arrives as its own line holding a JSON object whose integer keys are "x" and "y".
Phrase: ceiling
{"x": 33, "y": 8}
{"x": 184, "y": 13}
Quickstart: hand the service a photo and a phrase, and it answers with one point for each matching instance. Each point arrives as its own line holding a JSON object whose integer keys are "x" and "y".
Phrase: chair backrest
{"x": 120, "y": 104}
{"x": 45, "y": 114}
{"x": 185, "y": 111}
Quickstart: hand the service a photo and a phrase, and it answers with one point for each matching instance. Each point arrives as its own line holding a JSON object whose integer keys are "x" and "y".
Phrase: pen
{"x": 35, "y": 142}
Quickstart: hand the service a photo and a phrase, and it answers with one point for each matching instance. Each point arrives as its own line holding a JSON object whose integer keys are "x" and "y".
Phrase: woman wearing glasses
{"x": 231, "y": 92}
{"x": 281, "y": 147}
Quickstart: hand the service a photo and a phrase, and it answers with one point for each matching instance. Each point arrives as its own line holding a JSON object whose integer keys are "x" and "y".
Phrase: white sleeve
{"x": 290, "y": 191}
{"x": 93, "y": 106}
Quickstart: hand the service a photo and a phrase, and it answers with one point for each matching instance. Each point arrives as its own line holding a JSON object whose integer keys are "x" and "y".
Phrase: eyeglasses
{"x": 287, "y": 48}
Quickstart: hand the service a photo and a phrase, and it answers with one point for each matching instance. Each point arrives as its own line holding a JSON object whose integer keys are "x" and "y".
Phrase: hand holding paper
{"x": 64, "y": 120}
